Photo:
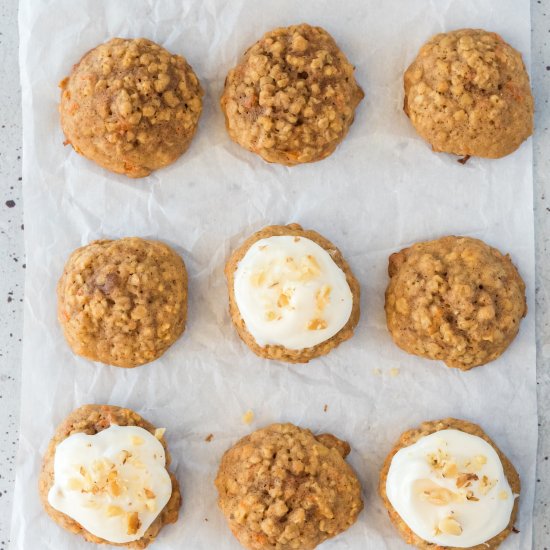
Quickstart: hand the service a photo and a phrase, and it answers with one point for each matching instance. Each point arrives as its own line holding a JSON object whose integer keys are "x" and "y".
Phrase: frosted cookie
{"x": 447, "y": 485}
{"x": 455, "y": 299}
{"x": 284, "y": 488}
{"x": 123, "y": 302}
{"x": 292, "y": 296}
{"x": 292, "y": 97}
{"x": 468, "y": 93}
{"x": 105, "y": 477}
{"x": 131, "y": 106}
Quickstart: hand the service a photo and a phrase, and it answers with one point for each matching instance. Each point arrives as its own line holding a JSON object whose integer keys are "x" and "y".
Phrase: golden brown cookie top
{"x": 468, "y": 93}
{"x": 283, "y": 488}
{"x": 123, "y": 302}
{"x": 454, "y": 474}
{"x": 131, "y": 106}
{"x": 455, "y": 299}
{"x": 91, "y": 420}
{"x": 292, "y": 97}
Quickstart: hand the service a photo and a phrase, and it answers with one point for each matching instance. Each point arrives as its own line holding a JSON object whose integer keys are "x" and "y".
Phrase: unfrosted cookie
{"x": 468, "y": 93}
{"x": 283, "y": 488}
{"x": 455, "y": 299}
{"x": 123, "y": 302}
{"x": 292, "y": 296}
{"x": 105, "y": 477}
{"x": 131, "y": 106}
{"x": 447, "y": 485}
{"x": 292, "y": 97}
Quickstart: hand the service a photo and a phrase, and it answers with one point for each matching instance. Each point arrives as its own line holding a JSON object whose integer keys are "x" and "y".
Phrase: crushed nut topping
{"x": 113, "y": 510}
{"x": 486, "y": 484}
{"x": 439, "y": 496}
{"x": 248, "y": 417}
{"x": 159, "y": 433}
{"x": 317, "y": 324}
{"x": 133, "y": 522}
{"x": 323, "y": 297}
{"x": 465, "y": 480}
{"x": 449, "y": 526}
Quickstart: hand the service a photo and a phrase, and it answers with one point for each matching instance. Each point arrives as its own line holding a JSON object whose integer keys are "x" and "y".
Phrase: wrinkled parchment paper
{"x": 382, "y": 190}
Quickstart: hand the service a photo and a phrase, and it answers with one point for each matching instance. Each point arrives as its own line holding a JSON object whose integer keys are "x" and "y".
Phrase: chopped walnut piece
{"x": 248, "y": 416}
{"x": 149, "y": 493}
{"x": 309, "y": 268}
{"x": 437, "y": 460}
{"x": 440, "y": 496}
{"x": 449, "y": 526}
{"x": 133, "y": 523}
{"x": 450, "y": 470}
{"x": 159, "y": 433}
{"x": 323, "y": 297}
{"x": 114, "y": 487}
{"x": 317, "y": 324}
{"x": 113, "y": 510}
{"x": 486, "y": 484}
{"x": 465, "y": 480}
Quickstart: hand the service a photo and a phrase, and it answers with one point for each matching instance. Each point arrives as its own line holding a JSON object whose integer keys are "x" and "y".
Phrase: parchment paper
{"x": 382, "y": 190}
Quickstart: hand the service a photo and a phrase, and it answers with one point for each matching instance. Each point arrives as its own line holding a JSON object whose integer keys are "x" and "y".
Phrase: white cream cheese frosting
{"x": 291, "y": 293}
{"x": 450, "y": 489}
{"x": 113, "y": 483}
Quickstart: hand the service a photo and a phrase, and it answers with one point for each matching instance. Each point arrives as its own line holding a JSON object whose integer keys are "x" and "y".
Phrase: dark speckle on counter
{"x": 11, "y": 249}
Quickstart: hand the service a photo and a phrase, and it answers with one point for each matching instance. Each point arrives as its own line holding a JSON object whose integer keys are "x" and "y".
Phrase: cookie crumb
{"x": 209, "y": 438}
{"x": 248, "y": 417}
{"x": 325, "y": 408}
{"x": 394, "y": 372}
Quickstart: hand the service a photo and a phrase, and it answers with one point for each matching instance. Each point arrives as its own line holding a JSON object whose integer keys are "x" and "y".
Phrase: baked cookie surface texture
{"x": 455, "y": 299}
{"x": 446, "y": 485}
{"x": 468, "y": 93}
{"x": 123, "y": 302}
{"x": 292, "y": 97}
{"x": 281, "y": 487}
{"x": 292, "y": 296}
{"x": 105, "y": 477}
{"x": 131, "y": 106}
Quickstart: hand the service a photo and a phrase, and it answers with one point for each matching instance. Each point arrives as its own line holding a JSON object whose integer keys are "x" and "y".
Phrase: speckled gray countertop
{"x": 12, "y": 258}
